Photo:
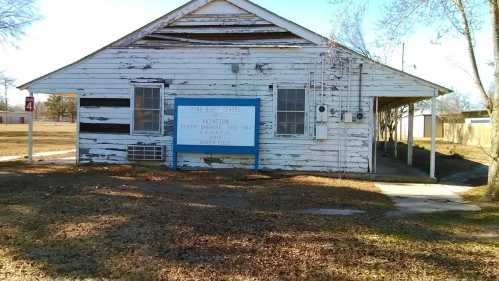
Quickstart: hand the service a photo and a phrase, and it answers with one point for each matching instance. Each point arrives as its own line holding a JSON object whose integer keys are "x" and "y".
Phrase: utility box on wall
{"x": 348, "y": 117}
{"x": 321, "y": 122}
{"x": 322, "y": 113}
{"x": 321, "y": 131}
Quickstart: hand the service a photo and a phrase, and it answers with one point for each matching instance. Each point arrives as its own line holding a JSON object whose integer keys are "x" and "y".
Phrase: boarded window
{"x": 104, "y": 128}
{"x": 108, "y": 102}
{"x": 291, "y": 112}
{"x": 147, "y": 110}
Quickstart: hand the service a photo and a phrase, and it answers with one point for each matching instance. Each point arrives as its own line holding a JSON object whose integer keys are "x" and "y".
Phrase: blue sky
{"x": 72, "y": 29}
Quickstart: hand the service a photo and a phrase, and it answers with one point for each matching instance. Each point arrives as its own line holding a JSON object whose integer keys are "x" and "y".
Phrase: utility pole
{"x": 6, "y": 101}
{"x": 6, "y": 83}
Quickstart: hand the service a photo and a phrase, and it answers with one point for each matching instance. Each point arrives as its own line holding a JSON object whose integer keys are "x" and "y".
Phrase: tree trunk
{"x": 493, "y": 190}
{"x": 471, "y": 53}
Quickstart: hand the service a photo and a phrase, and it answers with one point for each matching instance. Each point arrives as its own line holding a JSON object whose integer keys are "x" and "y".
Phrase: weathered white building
{"x": 318, "y": 100}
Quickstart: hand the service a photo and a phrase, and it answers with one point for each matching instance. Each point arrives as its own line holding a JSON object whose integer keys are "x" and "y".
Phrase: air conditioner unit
{"x": 322, "y": 113}
{"x": 146, "y": 153}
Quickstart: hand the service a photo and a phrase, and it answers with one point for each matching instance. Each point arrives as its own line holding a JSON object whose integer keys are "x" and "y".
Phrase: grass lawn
{"x": 472, "y": 153}
{"x": 46, "y": 137}
{"x": 125, "y": 223}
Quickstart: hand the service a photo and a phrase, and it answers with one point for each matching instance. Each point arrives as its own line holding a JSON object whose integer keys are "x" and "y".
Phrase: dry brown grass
{"x": 47, "y": 137}
{"x": 473, "y": 153}
{"x": 126, "y": 223}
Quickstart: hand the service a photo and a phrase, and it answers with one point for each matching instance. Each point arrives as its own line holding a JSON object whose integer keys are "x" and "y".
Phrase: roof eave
{"x": 441, "y": 89}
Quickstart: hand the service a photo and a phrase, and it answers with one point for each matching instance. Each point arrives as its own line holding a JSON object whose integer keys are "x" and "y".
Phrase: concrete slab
{"x": 391, "y": 170}
{"x": 412, "y": 198}
{"x": 332, "y": 212}
{"x": 9, "y": 158}
{"x": 53, "y": 153}
{"x": 61, "y": 161}
{"x": 40, "y": 154}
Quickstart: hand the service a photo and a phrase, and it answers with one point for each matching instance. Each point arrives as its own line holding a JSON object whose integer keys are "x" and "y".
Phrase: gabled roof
{"x": 188, "y": 8}
{"x": 243, "y": 5}
{"x": 279, "y": 23}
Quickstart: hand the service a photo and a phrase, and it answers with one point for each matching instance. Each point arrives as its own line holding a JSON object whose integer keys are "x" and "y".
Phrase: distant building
{"x": 468, "y": 127}
{"x": 468, "y": 117}
{"x": 13, "y": 117}
{"x": 422, "y": 126}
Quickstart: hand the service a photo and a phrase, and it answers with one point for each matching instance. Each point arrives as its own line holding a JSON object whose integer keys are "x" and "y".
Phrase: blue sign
{"x": 224, "y": 126}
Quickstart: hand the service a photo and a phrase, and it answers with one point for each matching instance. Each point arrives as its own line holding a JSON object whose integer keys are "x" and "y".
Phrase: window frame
{"x": 305, "y": 134}
{"x": 161, "y": 110}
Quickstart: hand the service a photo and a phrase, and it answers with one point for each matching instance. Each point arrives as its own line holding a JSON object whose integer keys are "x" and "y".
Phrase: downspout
{"x": 311, "y": 85}
{"x": 323, "y": 69}
{"x": 345, "y": 140}
{"x": 361, "y": 66}
{"x": 341, "y": 115}
{"x": 349, "y": 94}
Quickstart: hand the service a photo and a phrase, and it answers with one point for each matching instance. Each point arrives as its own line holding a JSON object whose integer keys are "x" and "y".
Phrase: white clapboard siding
{"x": 110, "y": 115}
{"x": 188, "y": 72}
{"x": 220, "y": 20}
{"x": 221, "y": 29}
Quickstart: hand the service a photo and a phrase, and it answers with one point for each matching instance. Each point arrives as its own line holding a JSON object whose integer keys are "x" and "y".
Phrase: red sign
{"x": 29, "y": 104}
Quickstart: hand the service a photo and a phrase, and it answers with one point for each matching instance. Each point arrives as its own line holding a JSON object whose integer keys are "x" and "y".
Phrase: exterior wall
{"x": 419, "y": 126}
{"x": 422, "y": 127}
{"x": 208, "y": 72}
{"x": 427, "y": 127}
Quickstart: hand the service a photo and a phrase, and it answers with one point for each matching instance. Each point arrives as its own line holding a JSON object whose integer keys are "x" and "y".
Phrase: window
{"x": 147, "y": 110}
{"x": 291, "y": 111}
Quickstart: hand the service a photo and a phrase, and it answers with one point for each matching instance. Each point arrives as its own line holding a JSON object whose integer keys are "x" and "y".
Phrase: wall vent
{"x": 146, "y": 153}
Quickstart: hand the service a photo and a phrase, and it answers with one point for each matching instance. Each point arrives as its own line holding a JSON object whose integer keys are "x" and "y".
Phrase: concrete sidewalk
{"x": 36, "y": 155}
{"x": 425, "y": 198}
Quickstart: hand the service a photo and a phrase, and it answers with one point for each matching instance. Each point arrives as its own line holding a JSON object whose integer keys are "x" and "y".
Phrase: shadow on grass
{"x": 452, "y": 169}
{"x": 124, "y": 223}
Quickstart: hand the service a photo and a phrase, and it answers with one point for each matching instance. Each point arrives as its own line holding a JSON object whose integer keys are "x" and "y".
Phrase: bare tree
{"x": 389, "y": 122}
{"x": 493, "y": 190}
{"x": 349, "y": 28}
{"x": 462, "y": 18}
{"x": 40, "y": 110}
{"x": 456, "y": 102}
{"x": 6, "y": 82}
{"x": 15, "y": 16}
{"x": 60, "y": 107}
{"x": 451, "y": 108}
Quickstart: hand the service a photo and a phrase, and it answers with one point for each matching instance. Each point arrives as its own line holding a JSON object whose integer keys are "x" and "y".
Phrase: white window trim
{"x": 132, "y": 109}
{"x": 290, "y": 86}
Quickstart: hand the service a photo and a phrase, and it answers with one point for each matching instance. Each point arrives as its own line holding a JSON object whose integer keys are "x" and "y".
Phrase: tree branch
{"x": 471, "y": 52}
